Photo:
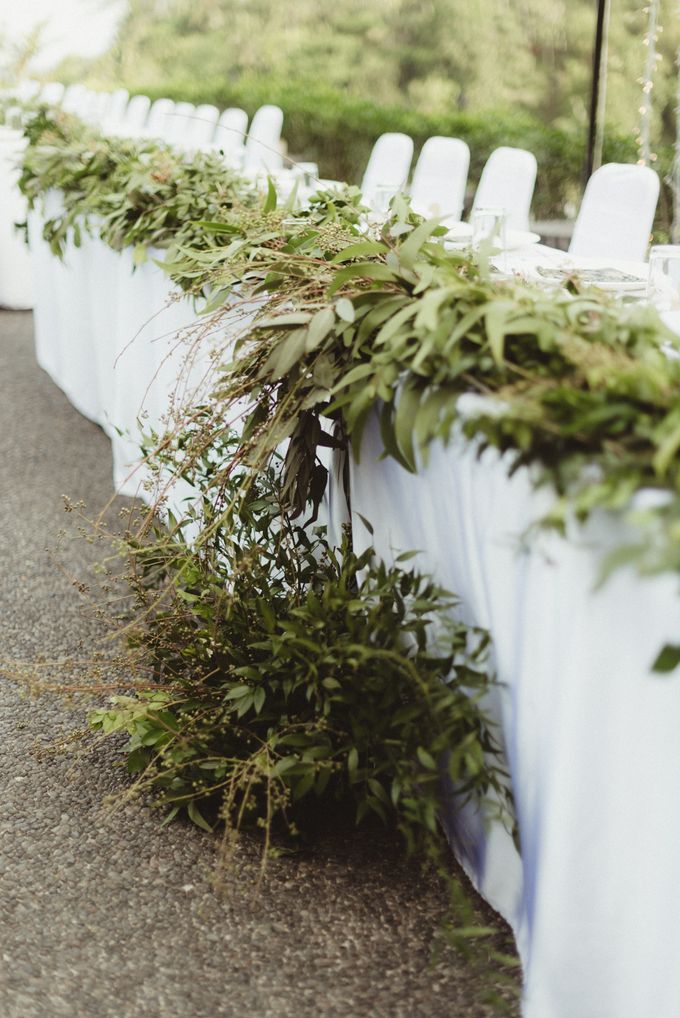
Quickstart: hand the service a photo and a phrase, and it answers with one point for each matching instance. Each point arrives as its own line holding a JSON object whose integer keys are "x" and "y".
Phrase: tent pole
{"x": 594, "y": 125}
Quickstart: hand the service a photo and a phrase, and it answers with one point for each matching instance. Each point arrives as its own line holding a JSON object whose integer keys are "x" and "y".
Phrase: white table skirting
{"x": 590, "y": 734}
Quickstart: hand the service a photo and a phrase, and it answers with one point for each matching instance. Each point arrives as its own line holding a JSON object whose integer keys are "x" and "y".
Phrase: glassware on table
{"x": 381, "y": 197}
{"x": 308, "y": 175}
{"x": 663, "y": 284}
{"x": 489, "y": 225}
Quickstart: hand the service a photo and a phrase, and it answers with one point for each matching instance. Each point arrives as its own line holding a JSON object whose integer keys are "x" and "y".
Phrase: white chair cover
{"x": 26, "y": 90}
{"x": 136, "y": 112}
{"x": 203, "y": 125}
{"x": 388, "y": 164}
{"x": 155, "y": 124}
{"x": 117, "y": 106}
{"x": 101, "y": 108}
{"x": 93, "y": 105}
{"x": 617, "y": 212}
{"x": 507, "y": 181}
{"x": 178, "y": 123}
{"x": 439, "y": 179}
{"x": 263, "y": 145}
{"x": 74, "y": 98}
{"x": 232, "y": 128}
{"x": 52, "y": 93}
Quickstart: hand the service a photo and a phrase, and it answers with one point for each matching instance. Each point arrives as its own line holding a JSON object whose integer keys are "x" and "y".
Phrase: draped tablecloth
{"x": 590, "y": 733}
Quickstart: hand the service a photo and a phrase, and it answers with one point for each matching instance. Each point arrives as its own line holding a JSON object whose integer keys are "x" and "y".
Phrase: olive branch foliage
{"x": 293, "y": 667}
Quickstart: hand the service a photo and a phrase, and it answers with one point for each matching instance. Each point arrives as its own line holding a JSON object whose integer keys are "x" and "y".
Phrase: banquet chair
{"x": 388, "y": 165}
{"x": 617, "y": 212}
{"x": 507, "y": 181}
{"x": 74, "y": 97}
{"x": 26, "y": 90}
{"x": 178, "y": 123}
{"x": 89, "y": 105}
{"x": 232, "y": 127}
{"x": 52, "y": 93}
{"x": 156, "y": 119}
{"x": 118, "y": 102}
{"x": 135, "y": 114}
{"x": 439, "y": 179}
{"x": 203, "y": 125}
{"x": 263, "y": 144}
{"x": 100, "y": 107}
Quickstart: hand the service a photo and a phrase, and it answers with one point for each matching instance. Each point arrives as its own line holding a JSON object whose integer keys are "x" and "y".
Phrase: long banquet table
{"x": 590, "y": 734}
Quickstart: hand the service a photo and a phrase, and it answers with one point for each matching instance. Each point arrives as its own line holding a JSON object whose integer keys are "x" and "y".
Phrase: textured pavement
{"x": 109, "y": 915}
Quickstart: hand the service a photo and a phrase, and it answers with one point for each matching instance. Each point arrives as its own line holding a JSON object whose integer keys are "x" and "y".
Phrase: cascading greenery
{"x": 346, "y": 322}
{"x": 286, "y": 668}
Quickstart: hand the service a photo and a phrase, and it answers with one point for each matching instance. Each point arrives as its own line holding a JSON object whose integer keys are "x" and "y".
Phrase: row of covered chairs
{"x": 440, "y": 177}
{"x": 182, "y": 124}
{"x": 615, "y": 218}
{"x": 614, "y": 221}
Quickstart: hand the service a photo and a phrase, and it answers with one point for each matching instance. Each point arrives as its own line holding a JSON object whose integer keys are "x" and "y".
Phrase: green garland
{"x": 345, "y": 323}
{"x": 355, "y": 323}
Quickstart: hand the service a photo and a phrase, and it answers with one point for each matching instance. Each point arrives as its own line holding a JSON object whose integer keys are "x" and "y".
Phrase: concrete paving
{"x": 110, "y": 916}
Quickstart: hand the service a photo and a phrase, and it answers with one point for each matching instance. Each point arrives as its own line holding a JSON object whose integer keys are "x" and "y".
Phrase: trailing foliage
{"x": 347, "y": 323}
{"x": 288, "y": 669}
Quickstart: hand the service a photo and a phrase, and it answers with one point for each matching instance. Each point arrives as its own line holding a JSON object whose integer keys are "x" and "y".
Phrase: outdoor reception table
{"x": 590, "y": 735}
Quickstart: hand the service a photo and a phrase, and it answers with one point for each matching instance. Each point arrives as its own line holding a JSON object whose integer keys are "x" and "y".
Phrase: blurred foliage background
{"x": 490, "y": 71}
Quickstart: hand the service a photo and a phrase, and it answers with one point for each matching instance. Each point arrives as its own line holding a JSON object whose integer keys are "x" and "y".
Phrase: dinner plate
{"x": 520, "y": 238}
{"x": 459, "y": 235}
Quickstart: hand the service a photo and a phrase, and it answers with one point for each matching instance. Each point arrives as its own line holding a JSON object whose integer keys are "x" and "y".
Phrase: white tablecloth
{"x": 591, "y": 736}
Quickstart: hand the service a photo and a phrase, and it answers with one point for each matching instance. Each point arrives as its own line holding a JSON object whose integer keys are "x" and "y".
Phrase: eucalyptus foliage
{"x": 578, "y": 385}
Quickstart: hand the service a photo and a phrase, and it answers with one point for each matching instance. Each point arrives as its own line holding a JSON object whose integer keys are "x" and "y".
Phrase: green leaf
{"x": 373, "y": 272}
{"x": 405, "y": 415}
{"x": 197, "y": 817}
{"x": 304, "y": 785}
{"x": 352, "y": 764}
{"x": 411, "y": 247}
{"x": 495, "y": 319}
{"x": 426, "y": 759}
{"x": 319, "y": 327}
{"x": 345, "y": 309}
{"x": 667, "y": 659}
{"x": 272, "y": 197}
{"x": 359, "y": 250}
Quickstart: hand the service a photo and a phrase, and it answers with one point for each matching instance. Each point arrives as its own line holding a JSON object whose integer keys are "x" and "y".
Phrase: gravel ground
{"x": 106, "y": 914}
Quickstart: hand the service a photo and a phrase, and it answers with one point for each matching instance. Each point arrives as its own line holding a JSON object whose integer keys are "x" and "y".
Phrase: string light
{"x": 676, "y": 161}
{"x": 652, "y": 57}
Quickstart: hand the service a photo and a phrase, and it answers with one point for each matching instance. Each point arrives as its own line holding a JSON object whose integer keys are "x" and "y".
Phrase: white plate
{"x": 458, "y": 233}
{"x": 459, "y": 236}
{"x": 520, "y": 238}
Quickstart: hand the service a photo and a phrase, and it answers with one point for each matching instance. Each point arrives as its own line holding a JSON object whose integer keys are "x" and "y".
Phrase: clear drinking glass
{"x": 380, "y": 201}
{"x": 308, "y": 174}
{"x": 489, "y": 224}
{"x": 663, "y": 284}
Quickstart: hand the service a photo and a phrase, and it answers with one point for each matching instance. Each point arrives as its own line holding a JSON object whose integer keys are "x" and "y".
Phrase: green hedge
{"x": 337, "y": 131}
